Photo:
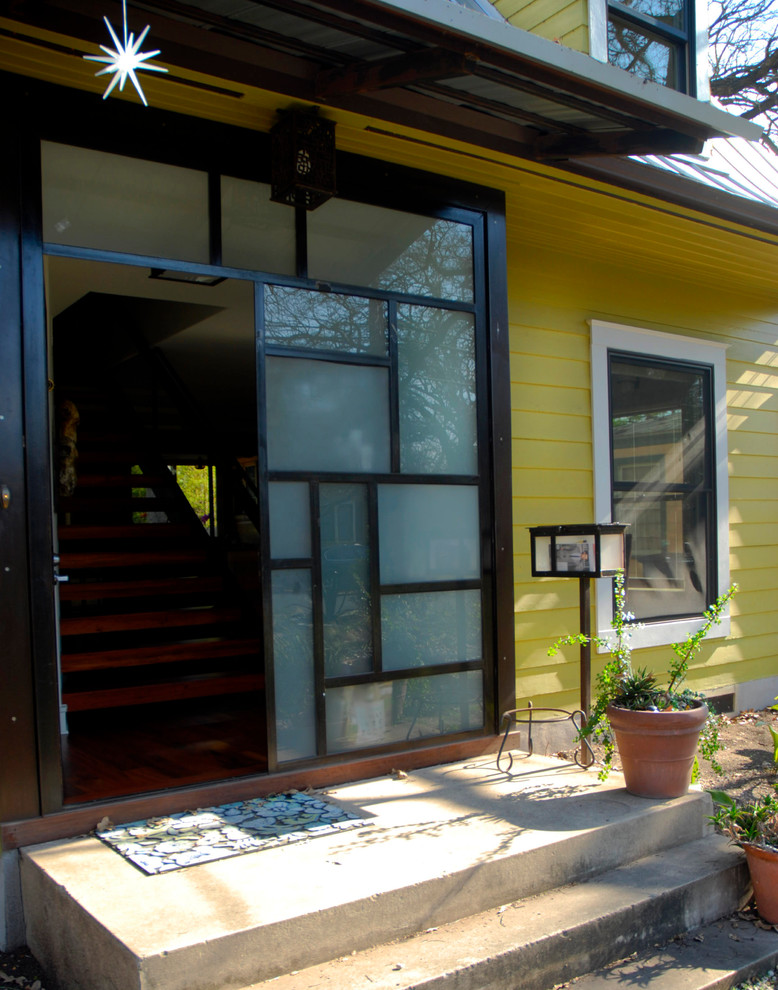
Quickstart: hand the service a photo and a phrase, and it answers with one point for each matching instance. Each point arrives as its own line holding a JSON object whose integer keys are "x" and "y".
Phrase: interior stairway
{"x": 149, "y": 612}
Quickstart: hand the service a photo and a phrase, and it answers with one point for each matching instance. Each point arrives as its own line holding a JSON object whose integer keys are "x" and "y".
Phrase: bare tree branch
{"x": 744, "y": 60}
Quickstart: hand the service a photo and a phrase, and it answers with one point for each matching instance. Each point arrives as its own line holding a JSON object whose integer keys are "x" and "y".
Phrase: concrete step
{"x": 714, "y": 957}
{"x": 537, "y": 942}
{"x": 445, "y": 843}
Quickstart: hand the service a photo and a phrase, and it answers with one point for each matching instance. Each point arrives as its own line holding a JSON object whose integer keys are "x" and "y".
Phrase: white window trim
{"x": 613, "y": 336}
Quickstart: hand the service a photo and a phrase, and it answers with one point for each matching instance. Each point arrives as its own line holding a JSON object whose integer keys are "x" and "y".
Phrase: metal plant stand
{"x": 526, "y": 716}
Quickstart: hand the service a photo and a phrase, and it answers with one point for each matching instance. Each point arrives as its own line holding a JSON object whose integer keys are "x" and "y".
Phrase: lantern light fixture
{"x": 302, "y": 149}
{"x": 581, "y": 550}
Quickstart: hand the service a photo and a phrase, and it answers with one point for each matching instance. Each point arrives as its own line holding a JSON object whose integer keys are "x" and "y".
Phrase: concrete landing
{"x": 446, "y": 843}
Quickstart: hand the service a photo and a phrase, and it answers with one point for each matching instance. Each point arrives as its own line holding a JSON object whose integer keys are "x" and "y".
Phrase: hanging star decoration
{"x": 123, "y": 60}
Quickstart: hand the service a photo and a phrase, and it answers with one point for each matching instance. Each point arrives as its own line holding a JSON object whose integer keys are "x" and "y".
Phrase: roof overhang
{"x": 427, "y": 64}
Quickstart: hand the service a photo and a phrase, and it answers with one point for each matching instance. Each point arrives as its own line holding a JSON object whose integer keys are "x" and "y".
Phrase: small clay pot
{"x": 657, "y": 749}
{"x": 763, "y": 867}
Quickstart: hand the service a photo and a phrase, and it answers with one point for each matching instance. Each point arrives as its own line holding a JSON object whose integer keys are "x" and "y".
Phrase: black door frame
{"x": 59, "y": 114}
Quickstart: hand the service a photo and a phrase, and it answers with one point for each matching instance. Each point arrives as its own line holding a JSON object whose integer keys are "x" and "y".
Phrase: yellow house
{"x": 294, "y": 356}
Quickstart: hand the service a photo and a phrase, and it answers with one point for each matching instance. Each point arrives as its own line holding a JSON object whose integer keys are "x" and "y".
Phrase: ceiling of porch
{"x": 430, "y": 65}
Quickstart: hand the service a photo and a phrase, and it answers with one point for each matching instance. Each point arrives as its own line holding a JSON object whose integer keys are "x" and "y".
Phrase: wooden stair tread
{"x": 158, "y": 558}
{"x": 115, "y": 503}
{"x": 123, "y": 480}
{"x": 144, "y": 694}
{"x": 169, "y": 619}
{"x": 129, "y": 531}
{"x": 170, "y": 653}
{"x": 142, "y": 588}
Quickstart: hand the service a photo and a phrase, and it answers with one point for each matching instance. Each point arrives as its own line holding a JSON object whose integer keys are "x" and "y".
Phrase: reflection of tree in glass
{"x": 325, "y": 321}
{"x": 345, "y": 567}
{"x": 421, "y": 629}
{"x": 292, "y": 651}
{"x": 437, "y": 390}
{"x": 640, "y": 54}
{"x": 439, "y": 263}
{"x": 438, "y": 705}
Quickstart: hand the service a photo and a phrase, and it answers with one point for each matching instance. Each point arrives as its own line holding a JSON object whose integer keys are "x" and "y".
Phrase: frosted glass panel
{"x": 370, "y": 245}
{"x": 327, "y": 417}
{"x": 114, "y": 203}
{"x": 345, "y": 574}
{"x": 256, "y": 233}
{"x": 290, "y": 519}
{"x": 428, "y": 533}
{"x": 293, "y": 664}
{"x": 363, "y": 715}
{"x": 431, "y": 627}
{"x": 324, "y": 320}
{"x": 437, "y": 391}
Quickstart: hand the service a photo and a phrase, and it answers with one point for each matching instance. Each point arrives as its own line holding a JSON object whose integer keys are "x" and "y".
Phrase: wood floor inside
{"x": 115, "y": 753}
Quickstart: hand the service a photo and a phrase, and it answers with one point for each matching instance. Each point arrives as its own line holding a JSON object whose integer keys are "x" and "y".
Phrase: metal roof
{"x": 435, "y": 65}
{"x": 731, "y": 165}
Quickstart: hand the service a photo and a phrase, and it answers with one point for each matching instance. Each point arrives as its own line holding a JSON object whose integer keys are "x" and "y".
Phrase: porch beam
{"x": 645, "y": 142}
{"x": 398, "y": 70}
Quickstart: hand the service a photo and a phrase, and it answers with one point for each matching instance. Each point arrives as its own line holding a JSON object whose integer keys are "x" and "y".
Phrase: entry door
{"x": 371, "y": 465}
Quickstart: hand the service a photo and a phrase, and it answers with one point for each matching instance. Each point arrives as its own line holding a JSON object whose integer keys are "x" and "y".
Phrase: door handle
{"x": 59, "y": 578}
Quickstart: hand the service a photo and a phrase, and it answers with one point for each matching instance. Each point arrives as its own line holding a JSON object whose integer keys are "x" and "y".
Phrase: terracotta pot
{"x": 657, "y": 749}
{"x": 763, "y": 867}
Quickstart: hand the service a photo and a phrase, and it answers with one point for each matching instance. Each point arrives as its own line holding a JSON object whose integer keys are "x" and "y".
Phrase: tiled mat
{"x": 208, "y": 834}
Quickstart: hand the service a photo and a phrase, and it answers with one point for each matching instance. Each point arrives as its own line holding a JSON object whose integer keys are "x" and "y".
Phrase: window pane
{"x": 290, "y": 514}
{"x": 659, "y": 424}
{"x": 324, "y": 320}
{"x": 666, "y": 543}
{"x": 345, "y": 571}
{"x": 660, "y": 436}
{"x": 387, "y": 249}
{"x": 293, "y": 664}
{"x": 323, "y": 416}
{"x": 426, "y": 628}
{"x": 643, "y": 54}
{"x": 256, "y": 234}
{"x": 670, "y": 12}
{"x": 114, "y": 203}
{"x": 428, "y": 533}
{"x": 364, "y": 715}
{"x": 437, "y": 391}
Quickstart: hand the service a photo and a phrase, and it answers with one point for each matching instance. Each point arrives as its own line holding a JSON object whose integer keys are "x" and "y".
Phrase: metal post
{"x": 584, "y": 601}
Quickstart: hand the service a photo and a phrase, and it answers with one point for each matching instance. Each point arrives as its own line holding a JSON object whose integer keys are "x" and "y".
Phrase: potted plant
{"x": 658, "y": 730}
{"x": 754, "y": 827}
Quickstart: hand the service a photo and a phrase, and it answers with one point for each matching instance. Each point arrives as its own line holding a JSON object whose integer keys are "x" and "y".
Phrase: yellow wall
{"x": 565, "y": 21}
{"x": 579, "y": 250}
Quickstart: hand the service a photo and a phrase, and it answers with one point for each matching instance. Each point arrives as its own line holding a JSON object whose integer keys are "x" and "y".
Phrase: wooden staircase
{"x": 150, "y": 612}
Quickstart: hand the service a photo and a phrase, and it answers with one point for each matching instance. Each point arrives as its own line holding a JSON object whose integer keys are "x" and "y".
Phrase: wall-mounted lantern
{"x": 302, "y": 159}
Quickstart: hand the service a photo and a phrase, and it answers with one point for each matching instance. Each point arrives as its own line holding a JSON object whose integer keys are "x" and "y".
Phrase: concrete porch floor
{"x": 445, "y": 843}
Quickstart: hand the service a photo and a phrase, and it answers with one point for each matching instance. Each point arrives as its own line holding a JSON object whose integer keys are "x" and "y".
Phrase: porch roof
{"x": 429, "y": 64}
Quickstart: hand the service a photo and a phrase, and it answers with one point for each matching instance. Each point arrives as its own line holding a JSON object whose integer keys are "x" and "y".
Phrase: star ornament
{"x": 125, "y": 59}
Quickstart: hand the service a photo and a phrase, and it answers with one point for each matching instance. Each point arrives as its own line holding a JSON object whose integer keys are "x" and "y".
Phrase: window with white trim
{"x": 660, "y": 456}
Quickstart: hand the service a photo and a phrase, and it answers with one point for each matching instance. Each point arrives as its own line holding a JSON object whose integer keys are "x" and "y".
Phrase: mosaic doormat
{"x": 209, "y": 834}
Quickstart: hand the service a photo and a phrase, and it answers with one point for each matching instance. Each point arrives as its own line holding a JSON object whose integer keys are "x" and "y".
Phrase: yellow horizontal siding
{"x": 565, "y": 22}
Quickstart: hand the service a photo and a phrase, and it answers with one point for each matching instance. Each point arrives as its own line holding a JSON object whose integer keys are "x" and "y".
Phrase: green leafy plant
{"x": 754, "y": 822}
{"x": 638, "y": 689}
